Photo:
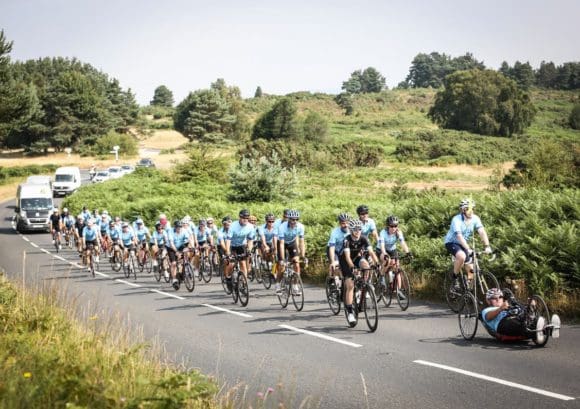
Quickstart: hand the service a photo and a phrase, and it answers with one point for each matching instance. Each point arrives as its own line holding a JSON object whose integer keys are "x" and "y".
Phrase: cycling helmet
{"x": 202, "y": 222}
{"x": 252, "y": 219}
{"x": 65, "y": 210}
{"x": 55, "y": 210}
{"x": 80, "y": 217}
{"x": 226, "y": 219}
{"x": 104, "y": 213}
{"x": 362, "y": 209}
{"x": 125, "y": 224}
{"x": 466, "y": 203}
{"x": 392, "y": 221}
{"x": 355, "y": 225}
{"x": 270, "y": 217}
{"x": 210, "y": 220}
{"x": 186, "y": 219}
{"x": 157, "y": 225}
{"x": 293, "y": 214}
{"x": 343, "y": 217}
{"x": 90, "y": 222}
{"x": 244, "y": 213}
{"x": 112, "y": 223}
{"x": 286, "y": 212}
{"x": 493, "y": 293}
{"x": 139, "y": 221}
{"x": 177, "y": 224}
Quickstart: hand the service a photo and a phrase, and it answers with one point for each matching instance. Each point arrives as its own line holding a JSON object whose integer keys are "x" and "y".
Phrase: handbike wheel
{"x": 284, "y": 292}
{"x": 453, "y": 297}
{"x": 297, "y": 290}
{"x": 468, "y": 316}
{"x": 371, "y": 309}
{"x": 333, "y": 296}
{"x": 537, "y": 308}
{"x": 243, "y": 290}
{"x": 188, "y": 277}
{"x": 404, "y": 293}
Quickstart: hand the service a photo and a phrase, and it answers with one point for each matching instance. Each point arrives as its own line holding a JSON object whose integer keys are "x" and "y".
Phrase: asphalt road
{"x": 416, "y": 359}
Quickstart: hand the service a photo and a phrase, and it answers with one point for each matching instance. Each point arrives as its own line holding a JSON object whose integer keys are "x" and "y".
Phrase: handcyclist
{"x": 91, "y": 237}
{"x": 457, "y": 239}
{"x": 335, "y": 243}
{"x": 369, "y": 227}
{"x": 387, "y": 248}
{"x": 499, "y": 316}
{"x": 55, "y": 226}
{"x": 178, "y": 240}
{"x": 239, "y": 242}
{"x": 291, "y": 240}
{"x": 353, "y": 257}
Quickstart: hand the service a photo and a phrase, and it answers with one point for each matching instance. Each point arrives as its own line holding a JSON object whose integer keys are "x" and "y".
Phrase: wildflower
{"x": 27, "y": 375}
{"x": 270, "y": 390}
{"x": 260, "y": 395}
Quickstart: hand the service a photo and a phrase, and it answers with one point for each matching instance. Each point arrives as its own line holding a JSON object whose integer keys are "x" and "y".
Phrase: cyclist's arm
{"x": 463, "y": 242}
{"x": 483, "y": 235}
{"x": 373, "y": 255}
{"x": 302, "y": 244}
{"x": 331, "y": 253}
{"x": 346, "y": 254}
{"x": 489, "y": 316}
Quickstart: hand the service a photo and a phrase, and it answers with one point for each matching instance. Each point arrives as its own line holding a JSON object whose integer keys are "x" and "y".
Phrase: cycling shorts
{"x": 454, "y": 248}
{"x": 239, "y": 250}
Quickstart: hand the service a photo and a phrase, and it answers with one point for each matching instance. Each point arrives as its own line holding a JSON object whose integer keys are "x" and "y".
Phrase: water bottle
{"x": 391, "y": 276}
{"x": 337, "y": 282}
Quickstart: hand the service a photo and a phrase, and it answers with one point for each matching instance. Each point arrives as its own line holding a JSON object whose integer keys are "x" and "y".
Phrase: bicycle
{"x": 56, "y": 239}
{"x": 478, "y": 285}
{"x": 162, "y": 265}
{"x": 144, "y": 260}
{"x": 398, "y": 284}
{"x": 291, "y": 285}
{"x": 129, "y": 264}
{"x": 185, "y": 270}
{"x": 205, "y": 266}
{"x": 469, "y": 316}
{"x": 364, "y": 300}
{"x": 334, "y": 291}
{"x": 116, "y": 258}
{"x": 89, "y": 259}
{"x": 67, "y": 238}
{"x": 240, "y": 290}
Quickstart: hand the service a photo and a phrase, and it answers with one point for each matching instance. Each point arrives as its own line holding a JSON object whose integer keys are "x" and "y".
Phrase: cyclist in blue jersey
{"x": 159, "y": 239}
{"x": 86, "y": 215}
{"x": 128, "y": 240}
{"x": 239, "y": 241}
{"x": 103, "y": 224}
{"x": 178, "y": 240}
{"x": 68, "y": 222}
{"x": 91, "y": 238}
{"x": 369, "y": 227}
{"x": 389, "y": 237}
{"x": 457, "y": 239}
{"x": 335, "y": 243}
{"x": 204, "y": 241}
{"x": 266, "y": 233}
{"x": 291, "y": 241}
{"x": 114, "y": 237}
{"x": 221, "y": 236}
{"x": 143, "y": 236}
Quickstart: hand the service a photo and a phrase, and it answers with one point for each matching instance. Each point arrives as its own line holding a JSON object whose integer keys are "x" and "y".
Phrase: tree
{"x": 369, "y": 80}
{"x": 162, "y": 97}
{"x": 523, "y": 74}
{"x": 344, "y": 100}
{"x": 258, "y": 93}
{"x": 315, "y": 127}
{"x": 278, "y": 123}
{"x": 574, "y": 118}
{"x": 429, "y": 70}
{"x": 483, "y": 102}
{"x": 546, "y": 75}
{"x": 354, "y": 84}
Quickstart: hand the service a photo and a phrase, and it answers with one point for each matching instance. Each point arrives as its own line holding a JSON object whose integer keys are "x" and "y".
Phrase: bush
{"x": 574, "y": 118}
{"x": 104, "y": 145}
{"x": 315, "y": 127}
{"x": 20, "y": 171}
{"x": 200, "y": 167}
{"x": 280, "y": 122}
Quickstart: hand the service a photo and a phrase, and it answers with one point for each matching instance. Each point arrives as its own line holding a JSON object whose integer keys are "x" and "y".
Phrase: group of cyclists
{"x": 354, "y": 245}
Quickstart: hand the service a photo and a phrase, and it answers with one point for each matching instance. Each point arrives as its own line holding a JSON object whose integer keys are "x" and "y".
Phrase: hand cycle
{"x": 529, "y": 312}
{"x": 364, "y": 299}
{"x": 476, "y": 286}
{"x": 240, "y": 290}
{"x": 130, "y": 263}
{"x": 334, "y": 290}
{"x": 398, "y": 284}
{"x": 291, "y": 286}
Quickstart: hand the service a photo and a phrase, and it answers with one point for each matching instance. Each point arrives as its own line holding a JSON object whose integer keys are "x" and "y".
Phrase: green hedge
{"x": 21, "y": 171}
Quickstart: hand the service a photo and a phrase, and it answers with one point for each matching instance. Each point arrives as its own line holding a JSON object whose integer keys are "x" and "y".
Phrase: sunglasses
{"x": 270, "y": 221}
{"x": 393, "y": 225}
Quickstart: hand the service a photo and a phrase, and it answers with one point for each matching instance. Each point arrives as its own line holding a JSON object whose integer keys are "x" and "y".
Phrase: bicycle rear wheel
{"x": 468, "y": 316}
{"x": 235, "y": 293}
{"x": 158, "y": 271}
{"x": 370, "y": 308}
{"x": 404, "y": 292}
{"x": 188, "y": 277}
{"x": 537, "y": 308}
{"x": 297, "y": 290}
{"x": 333, "y": 296}
{"x": 266, "y": 274}
{"x": 453, "y": 296}
{"x": 148, "y": 262}
{"x": 133, "y": 260}
{"x": 284, "y": 293}
{"x": 243, "y": 290}
{"x": 224, "y": 282}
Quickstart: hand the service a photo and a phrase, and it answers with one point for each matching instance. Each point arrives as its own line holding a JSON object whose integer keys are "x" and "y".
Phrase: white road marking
{"x": 496, "y": 380}
{"x": 45, "y": 250}
{"x": 316, "y": 334}
{"x": 127, "y": 282}
{"x": 34, "y": 244}
{"x": 101, "y": 274}
{"x": 241, "y": 314}
{"x": 25, "y": 238}
{"x": 60, "y": 258}
{"x": 167, "y": 294}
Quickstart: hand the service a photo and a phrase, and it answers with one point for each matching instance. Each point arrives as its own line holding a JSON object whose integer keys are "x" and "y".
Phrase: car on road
{"x": 101, "y": 176}
{"x": 145, "y": 163}
{"x": 115, "y": 172}
{"x": 126, "y": 169}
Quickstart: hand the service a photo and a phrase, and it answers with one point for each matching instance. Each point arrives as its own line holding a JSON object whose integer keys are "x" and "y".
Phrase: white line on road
{"x": 25, "y": 238}
{"x": 34, "y": 244}
{"x": 127, "y": 282}
{"x": 45, "y": 250}
{"x": 60, "y": 258}
{"x": 496, "y": 380}
{"x": 167, "y": 294}
{"x": 315, "y": 334}
{"x": 101, "y": 274}
{"x": 241, "y": 314}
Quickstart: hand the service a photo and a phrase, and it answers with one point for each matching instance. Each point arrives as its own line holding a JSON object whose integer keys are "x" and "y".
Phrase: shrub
{"x": 200, "y": 167}
{"x": 574, "y": 118}
{"x": 280, "y": 122}
{"x": 315, "y": 127}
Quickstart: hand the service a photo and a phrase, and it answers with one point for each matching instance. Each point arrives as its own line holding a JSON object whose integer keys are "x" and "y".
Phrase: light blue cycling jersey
{"x": 336, "y": 240}
{"x": 459, "y": 225}
{"x": 267, "y": 234}
{"x": 202, "y": 235}
{"x": 69, "y": 221}
{"x": 142, "y": 233}
{"x": 179, "y": 239}
{"x": 114, "y": 233}
{"x": 86, "y": 216}
{"x": 368, "y": 227}
{"x": 90, "y": 233}
{"x": 390, "y": 240}
{"x": 159, "y": 238}
{"x": 103, "y": 225}
{"x": 289, "y": 234}
{"x": 222, "y": 234}
{"x": 277, "y": 224}
{"x": 238, "y": 235}
{"x": 494, "y": 323}
{"x": 127, "y": 237}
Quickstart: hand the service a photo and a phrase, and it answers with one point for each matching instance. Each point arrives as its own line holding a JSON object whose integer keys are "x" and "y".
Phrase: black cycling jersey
{"x": 356, "y": 247}
{"x": 55, "y": 221}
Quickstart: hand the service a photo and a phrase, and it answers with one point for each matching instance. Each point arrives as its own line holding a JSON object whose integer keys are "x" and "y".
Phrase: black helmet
{"x": 157, "y": 225}
{"x": 362, "y": 209}
{"x": 286, "y": 212}
{"x": 112, "y": 223}
{"x": 226, "y": 219}
{"x": 466, "y": 203}
{"x": 343, "y": 217}
{"x": 392, "y": 221}
{"x": 244, "y": 213}
{"x": 177, "y": 224}
{"x": 293, "y": 214}
{"x": 270, "y": 217}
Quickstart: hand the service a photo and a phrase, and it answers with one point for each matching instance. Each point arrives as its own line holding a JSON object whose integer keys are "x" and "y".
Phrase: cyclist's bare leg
{"x": 296, "y": 264}
{"x": 460, "y": 257}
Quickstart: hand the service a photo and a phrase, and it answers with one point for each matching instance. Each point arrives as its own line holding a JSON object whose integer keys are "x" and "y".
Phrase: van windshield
{"x": 63, "y": 178}
{"x": 36, "y": 203}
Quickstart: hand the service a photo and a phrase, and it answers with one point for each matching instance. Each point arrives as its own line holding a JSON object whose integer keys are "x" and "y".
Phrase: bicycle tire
{"x": 468, "y": 316}
{"x": 235, "y": 293}
{"x": 148, "y": 262}
{"x": 389, "y": 291}
{"x": 116, "y": 262}
{"x": 223, "y": 281}
{"x": 125, "y": 263}
{"x": 205, "y": 266}
{"x": 132, "y": 259}
{"x": 57, "y": 242}
{"x": 297, "y": 299}
{"x": 405, "y": 289}
{"x": 266, "y": 275}
{"x": 333, "y": 296}
{"x": 453, "y": 297}
{"x": 371, "y": 309}
{"x": 485, "y": 281}
{"x": 166, "y": 269}
{"x": 243, "y": 290}
{"x": 540, "y": 310}
{"x": 354, "y": 310}
{"x": 188, "y": 277}
{"x": 157, "y": 271}
{"x": 141, "y": 263}
{"x": 284, "y": 293}
{"x": 258, "y": 269}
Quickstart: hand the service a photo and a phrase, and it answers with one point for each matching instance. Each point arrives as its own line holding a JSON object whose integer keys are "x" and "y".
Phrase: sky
{"x": 299, "y": 45}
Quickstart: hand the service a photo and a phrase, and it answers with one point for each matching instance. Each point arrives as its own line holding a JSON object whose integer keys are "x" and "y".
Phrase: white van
{"x": 39, "y": 180}
{"x": 33, "y": 207}
{"x": 66, "y": 180}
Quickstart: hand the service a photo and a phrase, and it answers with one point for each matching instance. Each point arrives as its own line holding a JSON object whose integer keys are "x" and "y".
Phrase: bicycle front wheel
{"x": 126, "y": 268}
{"x": 468, "y": 316}
{"x": 370, "y": 308}
{"x": 157, "y": 270}
{"x": 132, "y": 259}
{"x": 243, "y": 290}
{"x": 404, "y": 292}
{"x": 297, "y": 290}
{"x": 235, "y": 293}
{"x": 284, "y": 293}
{"x": 333, "y": 296}
{"x": 205, "y": 266}
{"x": 188, "y": 278}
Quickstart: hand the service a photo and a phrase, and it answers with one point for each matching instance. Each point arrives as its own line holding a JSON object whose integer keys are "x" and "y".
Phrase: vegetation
{"x": 48, "y": 360}
{"x": 20, "y": 171}
{"x": 362, "y": 82}
{"x": 162, "y": 96}
{"x": 429, "y": 70}
{"x": 574, "y": 118}
{"x": 280, "y": 122}
{"x": 565, "y": 76}
{"x": 483, "y": 102}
